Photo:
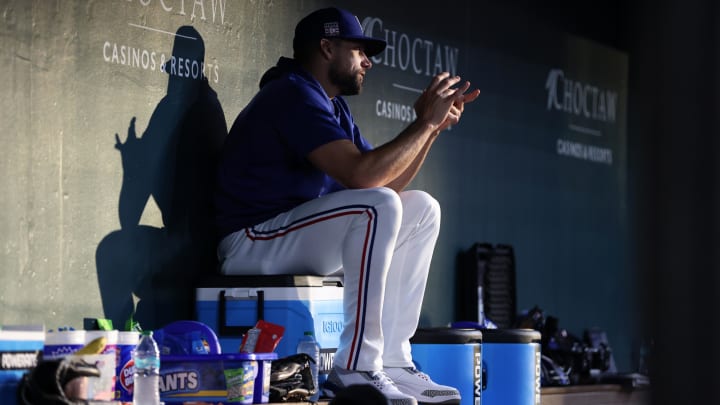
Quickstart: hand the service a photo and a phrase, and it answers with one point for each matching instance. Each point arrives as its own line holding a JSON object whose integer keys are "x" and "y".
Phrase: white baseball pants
{"x": 382, "y": 241}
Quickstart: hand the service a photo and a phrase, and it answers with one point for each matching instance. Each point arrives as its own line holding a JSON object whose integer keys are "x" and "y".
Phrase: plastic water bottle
{"x": 146, "y": 379}
{"x": 309, "y": 346}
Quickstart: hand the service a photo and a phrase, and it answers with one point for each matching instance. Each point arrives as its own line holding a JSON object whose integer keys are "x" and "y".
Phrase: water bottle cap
{"x": 147, "y": 333}
{"x": 309, "y": 333}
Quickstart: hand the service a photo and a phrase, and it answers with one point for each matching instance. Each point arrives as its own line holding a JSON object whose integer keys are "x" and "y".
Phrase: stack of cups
{"x": 60, "y": 344}
{"x": 125, "y": 365}
{"x": 104, "y": 388}
{"x": 111, "y": 339}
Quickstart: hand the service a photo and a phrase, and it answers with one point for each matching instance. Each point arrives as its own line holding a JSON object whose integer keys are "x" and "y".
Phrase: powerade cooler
{"x": 511, "y": 360}
{"x": 451, "y": 357}
{"x": 20, "y": 350}
{"x": 231, "y": 305}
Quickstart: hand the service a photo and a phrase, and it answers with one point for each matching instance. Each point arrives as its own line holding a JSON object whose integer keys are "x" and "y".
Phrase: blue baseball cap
{"x": 334, "y": 22}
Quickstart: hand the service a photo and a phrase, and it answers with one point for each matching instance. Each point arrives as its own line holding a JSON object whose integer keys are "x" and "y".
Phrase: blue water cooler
{"x": 231, "y": 305}
{"x": 451, "y": 357}
{"x": 511, "y": 360}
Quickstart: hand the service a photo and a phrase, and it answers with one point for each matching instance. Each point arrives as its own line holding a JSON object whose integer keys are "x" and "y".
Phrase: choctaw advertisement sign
{"x": 134, "y": 54}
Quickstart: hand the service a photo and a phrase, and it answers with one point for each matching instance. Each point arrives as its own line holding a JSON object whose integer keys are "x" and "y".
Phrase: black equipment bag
{"x": 485, "y": 280}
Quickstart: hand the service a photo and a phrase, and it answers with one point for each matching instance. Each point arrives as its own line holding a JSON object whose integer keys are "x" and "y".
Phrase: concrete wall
{"x": 91, "y": 128}
{"x": 101, "y": 212}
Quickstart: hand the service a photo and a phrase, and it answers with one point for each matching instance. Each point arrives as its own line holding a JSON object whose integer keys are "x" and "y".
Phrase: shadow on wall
{"x": 174, "y": 162}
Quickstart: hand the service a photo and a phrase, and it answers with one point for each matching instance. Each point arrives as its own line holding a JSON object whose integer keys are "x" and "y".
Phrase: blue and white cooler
{"x": 451, "y": 357}
{"x": 231, "y": 305}
{"x": 20, "y": 349}
{"x": 511, "y": 361}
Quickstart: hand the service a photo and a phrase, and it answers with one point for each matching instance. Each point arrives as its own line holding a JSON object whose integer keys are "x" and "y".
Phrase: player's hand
{"x": 441, "y": 105}
{"x": 455, "y": 112}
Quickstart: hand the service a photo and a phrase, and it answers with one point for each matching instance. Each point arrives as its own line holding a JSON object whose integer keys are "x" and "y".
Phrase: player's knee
{"x": 423, "y": 202}
{"x": 385, "y": 200}
{"x": 389, "y": 197}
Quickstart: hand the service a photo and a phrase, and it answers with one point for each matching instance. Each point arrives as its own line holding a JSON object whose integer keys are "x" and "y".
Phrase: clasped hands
{"x": 441, "y": 105}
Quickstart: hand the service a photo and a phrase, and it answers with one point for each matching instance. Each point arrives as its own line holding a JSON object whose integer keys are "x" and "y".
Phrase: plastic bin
{"x": 242, "y": 378}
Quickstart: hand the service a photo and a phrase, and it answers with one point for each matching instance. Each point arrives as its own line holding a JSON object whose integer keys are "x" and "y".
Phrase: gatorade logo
{"x": 126, "y": 375}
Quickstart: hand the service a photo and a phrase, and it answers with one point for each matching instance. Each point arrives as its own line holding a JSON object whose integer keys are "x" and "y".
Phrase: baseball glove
{"x": 291, "y": 379}
{"x": 47, "y": 382}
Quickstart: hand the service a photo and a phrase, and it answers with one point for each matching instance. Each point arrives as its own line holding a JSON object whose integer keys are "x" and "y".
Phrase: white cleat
{"x": 340, "y": 378}
{"x": 413, "y": 382}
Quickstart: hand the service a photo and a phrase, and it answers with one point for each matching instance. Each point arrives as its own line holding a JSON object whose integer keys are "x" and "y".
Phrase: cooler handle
{"x": 239, "y": 330}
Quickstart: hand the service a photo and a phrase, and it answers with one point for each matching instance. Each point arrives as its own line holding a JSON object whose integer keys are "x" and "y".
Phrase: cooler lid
{"x": 511, "y": 335}
{"x": 447, "y": 335}
{"x": 289, "y": 280}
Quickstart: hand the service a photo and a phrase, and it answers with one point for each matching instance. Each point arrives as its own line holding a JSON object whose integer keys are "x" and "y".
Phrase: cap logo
{"x": 332, "y": 29}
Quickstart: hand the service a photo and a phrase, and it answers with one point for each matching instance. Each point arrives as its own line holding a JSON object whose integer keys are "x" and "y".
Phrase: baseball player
{"x": 300, "y": 191}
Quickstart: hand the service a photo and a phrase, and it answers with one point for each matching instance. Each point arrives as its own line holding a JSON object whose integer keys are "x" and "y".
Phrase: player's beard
{"x": 348, "y": 82}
